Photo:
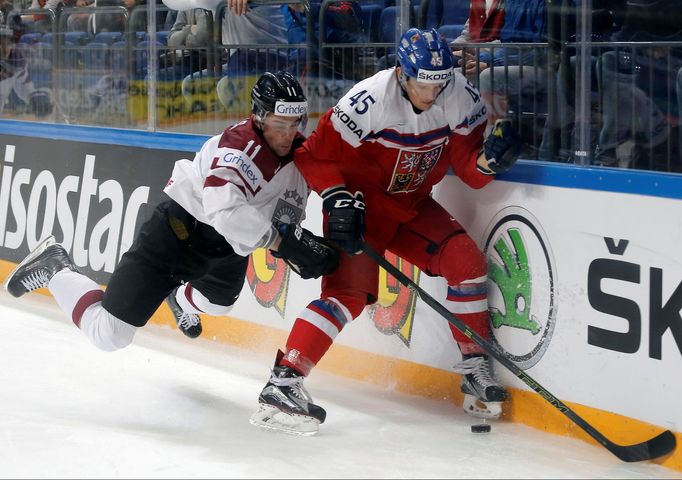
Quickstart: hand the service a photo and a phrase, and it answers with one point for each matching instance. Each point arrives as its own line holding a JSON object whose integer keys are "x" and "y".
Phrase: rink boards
{"x": 585, "y": 274}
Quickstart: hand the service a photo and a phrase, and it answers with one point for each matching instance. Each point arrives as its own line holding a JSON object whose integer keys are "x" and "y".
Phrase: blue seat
{"x": 379, "y": 3}
{"x": 40, "y": 64}
{"x": 433, "y": 15}
{"x": 42, "y": 50}
{"x": 456, "y": 13}
{"x": 71, "y": 54}
{"x": 246, "y": 62}
{"x": 48, "y": 38}
{"x": 387, "y": 33}
{"x": 162, "y": 37}
{"x": 371, "y": 15}
{"x": 108, "y": 38}
{"x": 95, "y": 56}
{"x": 76, "y": 38}
{"x": 450, "y": 32}
{"x": 31, "y": 37}
{"x": 140, "y": 58}
{"x": 119, "y": 56}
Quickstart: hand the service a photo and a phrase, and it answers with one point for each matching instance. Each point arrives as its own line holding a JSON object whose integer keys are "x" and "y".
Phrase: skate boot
{"x": 483, "y": 396}
{"x": 37, "y": 269}
{"x": 285, "y": 405}
{"x": 188, "y": 323}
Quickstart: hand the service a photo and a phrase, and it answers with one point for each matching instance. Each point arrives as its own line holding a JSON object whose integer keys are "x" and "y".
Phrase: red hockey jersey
{"x": 375, "y": 142}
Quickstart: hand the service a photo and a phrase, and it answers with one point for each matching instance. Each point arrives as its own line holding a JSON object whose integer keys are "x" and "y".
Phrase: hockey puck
{"x": 480, "y": 428}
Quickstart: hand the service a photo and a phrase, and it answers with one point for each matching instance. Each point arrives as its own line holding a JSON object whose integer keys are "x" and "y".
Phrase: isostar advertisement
{"x": 92, "y": 197}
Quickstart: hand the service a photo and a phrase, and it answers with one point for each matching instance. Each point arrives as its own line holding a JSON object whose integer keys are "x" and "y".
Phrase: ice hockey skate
{"x": 188, "y": 323}
{"x": 37, "y": 269}
{"x": 286, "y": 406}
{"x": 483, "y": 396}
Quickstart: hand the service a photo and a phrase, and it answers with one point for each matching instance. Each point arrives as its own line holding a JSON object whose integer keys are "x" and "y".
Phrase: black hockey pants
{"x": 172, "y": 247}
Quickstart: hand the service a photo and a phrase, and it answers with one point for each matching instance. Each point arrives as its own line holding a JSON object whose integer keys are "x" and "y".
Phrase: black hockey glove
{"x": 346, "y": 222}
{"x": 307, "y": 254}
{"x": 501, "y": 149}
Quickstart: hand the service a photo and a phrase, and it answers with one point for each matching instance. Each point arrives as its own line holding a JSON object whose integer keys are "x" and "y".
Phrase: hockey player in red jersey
{"x": 385, "y": 144}
{"x": 242, "y": 191}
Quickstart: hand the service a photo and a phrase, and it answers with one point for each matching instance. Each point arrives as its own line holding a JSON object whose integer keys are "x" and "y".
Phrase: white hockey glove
{"x": 501, "y": 149}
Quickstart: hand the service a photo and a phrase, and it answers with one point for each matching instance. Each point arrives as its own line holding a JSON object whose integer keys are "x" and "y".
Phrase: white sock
{"x": 192, "y": 300}
{"x": 80, "y": 298}
{"x": 70, "y": 288}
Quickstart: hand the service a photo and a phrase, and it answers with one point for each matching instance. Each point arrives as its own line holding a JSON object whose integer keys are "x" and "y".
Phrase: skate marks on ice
{"x": 171, "y": 407}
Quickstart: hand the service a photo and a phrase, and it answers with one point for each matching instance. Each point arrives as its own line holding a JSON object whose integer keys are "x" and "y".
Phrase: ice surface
{"x": 171, "y": 407}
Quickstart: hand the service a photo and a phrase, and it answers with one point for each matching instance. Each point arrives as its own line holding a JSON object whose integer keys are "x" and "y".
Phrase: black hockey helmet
{"x": 278, "y": 93}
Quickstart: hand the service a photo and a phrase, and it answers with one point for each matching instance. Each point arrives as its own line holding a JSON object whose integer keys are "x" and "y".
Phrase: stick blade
{"x": 660, "y": 445}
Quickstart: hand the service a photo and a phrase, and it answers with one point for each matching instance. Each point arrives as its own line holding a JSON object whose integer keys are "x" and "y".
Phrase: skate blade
{"x": 29, "y": 258}
{"x": 480, "y": 409}
{"x": 272, "y": 418}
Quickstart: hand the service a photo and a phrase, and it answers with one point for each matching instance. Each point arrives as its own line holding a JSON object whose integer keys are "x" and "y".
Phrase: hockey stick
{"x": 658, "y": 446}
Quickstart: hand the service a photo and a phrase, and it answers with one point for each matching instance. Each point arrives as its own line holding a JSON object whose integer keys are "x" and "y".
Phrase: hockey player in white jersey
{"x": 241, "y": 192}
{"x": 374, "y": 159}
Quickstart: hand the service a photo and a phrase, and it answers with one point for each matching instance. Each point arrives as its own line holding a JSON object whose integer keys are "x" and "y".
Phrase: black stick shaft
{"x": 658, "y": 446}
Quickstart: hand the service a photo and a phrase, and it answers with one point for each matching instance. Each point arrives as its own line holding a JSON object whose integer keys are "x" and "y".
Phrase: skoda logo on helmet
{"x": 291, "y": 109}
{"x": 434, "y": 76}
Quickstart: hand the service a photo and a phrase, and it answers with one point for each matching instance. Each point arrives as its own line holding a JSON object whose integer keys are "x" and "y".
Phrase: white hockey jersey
{"x": 240, "y": 187}
{"x": 393, "y": 123}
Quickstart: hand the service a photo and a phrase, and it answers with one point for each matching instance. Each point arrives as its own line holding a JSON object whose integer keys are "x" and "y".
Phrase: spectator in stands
{"x": 516, "y": 74}
{"x": 190, "y": 29}
{"x": 486, "y": 18}
{"x": 638, "y": 85}
{"x": 257, "y": 24}
{"x": 18, "y": 94}
{"x": 75, "y": 22}
{"x": 558, "y": 142}
{"x": 5, "y": 7}
{"x": 188, "y": 42}
{"x": 116, "y": 22}
{"x": 247, "y": 25}
{"x": 78, "y": 22}
{"x": 342, "y": 24}
{"x": 43, "y": 22}
{"x": 108, "y": 22}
